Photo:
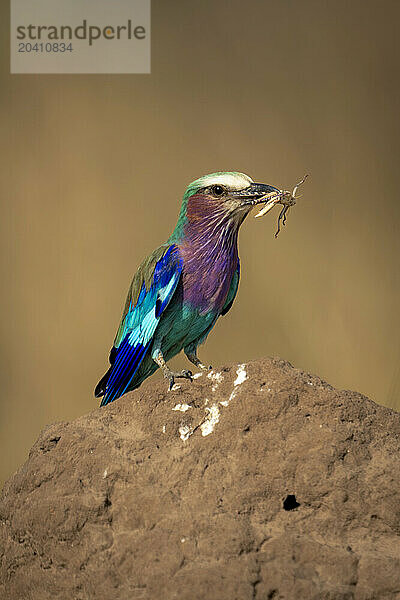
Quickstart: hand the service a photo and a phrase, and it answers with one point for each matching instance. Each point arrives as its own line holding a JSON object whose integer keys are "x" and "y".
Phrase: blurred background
{"x": 94, "y": 168}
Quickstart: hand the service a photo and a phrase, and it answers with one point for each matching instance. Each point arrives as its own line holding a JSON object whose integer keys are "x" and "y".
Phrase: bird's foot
{"x": 168, "y": 374}
{"x": 204, "y": 367}
{"x": 194, "y": 359}
{"x": 171, "y": 376}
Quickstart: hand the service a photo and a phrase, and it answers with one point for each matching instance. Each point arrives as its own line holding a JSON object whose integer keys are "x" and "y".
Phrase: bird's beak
{"x": 254, "y": 193}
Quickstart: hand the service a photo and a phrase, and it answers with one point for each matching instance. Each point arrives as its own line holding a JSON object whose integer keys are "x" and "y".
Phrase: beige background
{"x": 94, "y": 167}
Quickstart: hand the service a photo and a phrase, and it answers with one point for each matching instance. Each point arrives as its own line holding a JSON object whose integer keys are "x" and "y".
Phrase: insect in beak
{"x": 283, "y": 197}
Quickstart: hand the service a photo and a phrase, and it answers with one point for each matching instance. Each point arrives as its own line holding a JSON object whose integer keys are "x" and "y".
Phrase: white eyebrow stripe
{"x": 233, "y": 181}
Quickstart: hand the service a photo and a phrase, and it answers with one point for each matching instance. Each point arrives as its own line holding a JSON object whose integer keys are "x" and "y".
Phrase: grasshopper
{"x": 285, "y": 198}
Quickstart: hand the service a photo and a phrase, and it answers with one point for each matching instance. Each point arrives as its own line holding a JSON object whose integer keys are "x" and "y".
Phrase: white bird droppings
{"x": 212, "y": 416}
{"x": 185, "y": 432}
{"x": 216, "y": 378}
{"x": 181, "y": 407}
{"x": 210, "y": 421}
{"x": 241, "y": 375}
{"x": 175, "y": 387}
{"x": 231, "y": 397}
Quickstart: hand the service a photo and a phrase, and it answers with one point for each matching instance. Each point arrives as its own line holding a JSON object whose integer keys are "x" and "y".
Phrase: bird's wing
{"x": 151, "y": 290}
{"x": 232, "y": 290}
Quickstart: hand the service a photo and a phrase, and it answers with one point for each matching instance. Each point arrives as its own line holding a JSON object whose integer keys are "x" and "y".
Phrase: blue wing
{"x": 156, "y": 279}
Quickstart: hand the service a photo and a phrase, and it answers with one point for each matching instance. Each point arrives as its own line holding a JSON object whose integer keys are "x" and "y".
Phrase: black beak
{"x": 253, "y": 193}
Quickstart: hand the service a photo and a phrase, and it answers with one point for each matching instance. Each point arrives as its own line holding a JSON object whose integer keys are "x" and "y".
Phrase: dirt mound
{"x": 255, "y": 481}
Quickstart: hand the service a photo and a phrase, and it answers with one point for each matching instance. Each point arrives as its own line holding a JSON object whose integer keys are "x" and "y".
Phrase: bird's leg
{"x": 194, "y": 359}
{"x": 191, "y": 354}
{"x": 168, "y": 374}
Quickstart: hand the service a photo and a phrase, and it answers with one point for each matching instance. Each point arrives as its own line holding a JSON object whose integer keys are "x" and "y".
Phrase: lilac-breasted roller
{"x": 180, "y": 290}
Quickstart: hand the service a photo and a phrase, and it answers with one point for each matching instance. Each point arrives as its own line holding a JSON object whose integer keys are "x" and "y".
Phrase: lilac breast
{"x": 210, "y": 255}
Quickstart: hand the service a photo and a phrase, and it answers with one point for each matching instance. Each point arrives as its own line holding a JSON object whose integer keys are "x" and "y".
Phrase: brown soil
{"x": 277, "y": 487}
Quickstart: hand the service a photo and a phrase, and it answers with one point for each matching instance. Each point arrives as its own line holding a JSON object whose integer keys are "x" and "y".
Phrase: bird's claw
{"x": 185, "y": 374}
{"x": 194, "y": 359}
{"x": 204, "y": 367}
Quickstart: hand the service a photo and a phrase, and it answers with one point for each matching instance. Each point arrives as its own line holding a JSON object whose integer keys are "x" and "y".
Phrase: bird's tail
{"x": 100, "y": 389}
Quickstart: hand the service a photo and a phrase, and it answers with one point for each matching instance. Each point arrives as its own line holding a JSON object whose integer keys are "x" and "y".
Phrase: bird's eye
{"x": 218, "y": 190}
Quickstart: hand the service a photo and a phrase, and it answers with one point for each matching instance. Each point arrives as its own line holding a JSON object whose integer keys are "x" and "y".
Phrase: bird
{"x": 182, "y": 288}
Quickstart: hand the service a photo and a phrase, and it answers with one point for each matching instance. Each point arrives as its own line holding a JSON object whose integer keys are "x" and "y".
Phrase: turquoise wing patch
{"x": 140, "y": 323}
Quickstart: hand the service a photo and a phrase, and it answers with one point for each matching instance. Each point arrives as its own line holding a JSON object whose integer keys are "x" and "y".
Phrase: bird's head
{"x": 228, "y": 194}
